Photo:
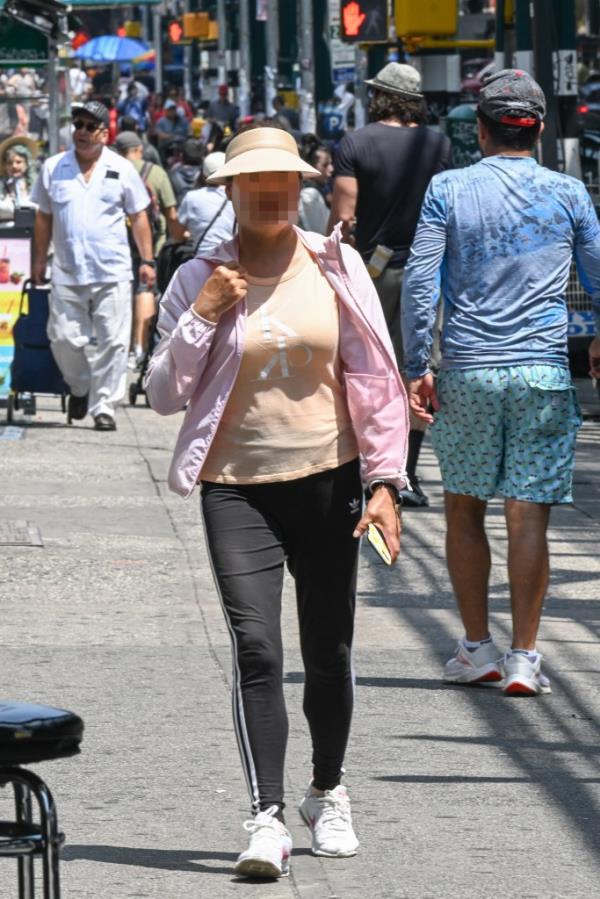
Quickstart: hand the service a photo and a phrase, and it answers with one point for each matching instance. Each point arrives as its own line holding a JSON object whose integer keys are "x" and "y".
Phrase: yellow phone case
{"x": 375, "y": 538}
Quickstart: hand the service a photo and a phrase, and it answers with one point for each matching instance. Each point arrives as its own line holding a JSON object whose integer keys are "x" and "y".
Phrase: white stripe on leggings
{"x": 239, "y": 720}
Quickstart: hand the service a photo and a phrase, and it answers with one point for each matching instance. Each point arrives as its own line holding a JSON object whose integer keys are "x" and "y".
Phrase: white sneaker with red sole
{"x": 523, "y": 677}
{"x": 481, "y": 666}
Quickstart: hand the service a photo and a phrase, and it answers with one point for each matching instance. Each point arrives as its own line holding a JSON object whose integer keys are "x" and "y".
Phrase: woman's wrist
{"x": 206, "y": 310}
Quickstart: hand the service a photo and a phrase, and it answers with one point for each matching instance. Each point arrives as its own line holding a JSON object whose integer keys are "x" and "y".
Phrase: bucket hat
{"x": 398, "y": 78}
{"x": 13, "y": 143}
{"x": 262, "y": 150}
{"x": 512, "y": 97}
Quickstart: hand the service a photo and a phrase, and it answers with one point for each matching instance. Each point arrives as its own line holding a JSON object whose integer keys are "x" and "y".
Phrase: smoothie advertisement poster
{"x": 15, "y": 269}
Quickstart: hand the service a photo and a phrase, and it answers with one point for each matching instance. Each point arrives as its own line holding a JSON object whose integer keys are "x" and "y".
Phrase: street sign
{"x": 581, "y": 324}
{"x": 341, "y": 75}
{"x": 342, "y": 54}
{"x": 364, "y": 21}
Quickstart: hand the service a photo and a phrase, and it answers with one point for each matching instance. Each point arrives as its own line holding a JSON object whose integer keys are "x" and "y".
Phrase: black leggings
{"x": 251, "y": 531}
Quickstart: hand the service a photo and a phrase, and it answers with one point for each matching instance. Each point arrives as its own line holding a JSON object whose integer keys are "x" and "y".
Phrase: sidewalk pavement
{"x": 456, "y": 793}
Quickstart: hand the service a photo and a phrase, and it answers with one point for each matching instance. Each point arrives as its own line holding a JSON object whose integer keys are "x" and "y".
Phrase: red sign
{"x": 353, "y": 17}
{"x": 364, "y": 21}
{"x": 175, "y": 31}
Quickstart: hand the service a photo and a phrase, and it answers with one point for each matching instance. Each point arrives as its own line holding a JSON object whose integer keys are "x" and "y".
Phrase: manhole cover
{"x": 19, "y": 533}
{"x": 10, "y": 432}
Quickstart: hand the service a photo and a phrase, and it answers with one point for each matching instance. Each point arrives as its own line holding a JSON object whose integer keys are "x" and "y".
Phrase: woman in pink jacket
{"x": 277, "y": 345}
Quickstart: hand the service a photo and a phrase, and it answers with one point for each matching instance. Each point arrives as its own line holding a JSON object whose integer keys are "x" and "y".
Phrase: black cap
{"x": 512, "y": 97}
{"x": 94, "y": 108}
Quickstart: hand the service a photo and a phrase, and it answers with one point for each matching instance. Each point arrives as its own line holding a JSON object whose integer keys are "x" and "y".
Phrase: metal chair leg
{"x": 53, "y": 839}
{"x": 25, "y": 863}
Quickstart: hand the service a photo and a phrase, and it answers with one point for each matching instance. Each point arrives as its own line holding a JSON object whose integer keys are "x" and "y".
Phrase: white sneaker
{"x": 482, "y": 666}
{"x": 268, "y": 854}
{"x": 522, "y": 677}
{"x": 330, "y": 820}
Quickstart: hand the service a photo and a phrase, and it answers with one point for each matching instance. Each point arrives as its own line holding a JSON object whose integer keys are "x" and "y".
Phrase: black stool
{"x": 34, "y": 733}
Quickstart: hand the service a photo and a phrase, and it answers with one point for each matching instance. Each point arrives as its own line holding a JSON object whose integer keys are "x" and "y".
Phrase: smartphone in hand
{"x": 375, "y": 538}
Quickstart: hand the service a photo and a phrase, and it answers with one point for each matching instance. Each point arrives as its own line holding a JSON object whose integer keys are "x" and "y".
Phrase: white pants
{"x": 77, "y": 314}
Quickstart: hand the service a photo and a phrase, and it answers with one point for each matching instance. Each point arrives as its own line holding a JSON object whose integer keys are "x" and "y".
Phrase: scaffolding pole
{"x": 308, "y": 121}
{"x": 272, "y": 48}
{"x": 245, "y": 59}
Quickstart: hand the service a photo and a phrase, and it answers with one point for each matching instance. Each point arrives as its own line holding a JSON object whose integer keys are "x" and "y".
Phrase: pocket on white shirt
{"x": 62, "y": 192}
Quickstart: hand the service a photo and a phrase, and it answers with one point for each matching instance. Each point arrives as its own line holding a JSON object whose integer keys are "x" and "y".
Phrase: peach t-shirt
{"x": 286, "y": 416}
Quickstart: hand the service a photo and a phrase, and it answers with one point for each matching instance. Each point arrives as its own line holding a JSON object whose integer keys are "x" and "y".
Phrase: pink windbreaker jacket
{"x": 196, "y": 363}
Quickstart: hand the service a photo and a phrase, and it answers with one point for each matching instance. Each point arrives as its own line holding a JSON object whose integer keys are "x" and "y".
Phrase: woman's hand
{"x": 383, "y": 513}
{"x": 225, "y": 287}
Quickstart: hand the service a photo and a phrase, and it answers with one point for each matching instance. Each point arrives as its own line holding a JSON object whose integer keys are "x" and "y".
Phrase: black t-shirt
{"x": 393, "y": 166}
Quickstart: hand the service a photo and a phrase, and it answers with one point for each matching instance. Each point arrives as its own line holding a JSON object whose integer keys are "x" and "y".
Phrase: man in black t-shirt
{"x": 381, "y": 174}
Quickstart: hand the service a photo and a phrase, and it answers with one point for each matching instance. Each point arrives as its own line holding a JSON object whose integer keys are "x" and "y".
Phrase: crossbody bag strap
{"x": 145, "y": 173}
{"x": 210, "y": 224}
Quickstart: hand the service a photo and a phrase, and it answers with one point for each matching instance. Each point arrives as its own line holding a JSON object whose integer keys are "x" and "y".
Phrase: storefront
{"x": 32, "y": 97}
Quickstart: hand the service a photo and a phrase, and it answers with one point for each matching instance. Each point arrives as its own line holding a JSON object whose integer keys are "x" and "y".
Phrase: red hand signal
{"x": 353, "y": 18}
{"x": 175, "y": 31}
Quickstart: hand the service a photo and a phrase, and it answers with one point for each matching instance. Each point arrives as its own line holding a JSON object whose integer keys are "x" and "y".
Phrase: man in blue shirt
{"x": 171, "y": 126}
{"x": 498, "y": 239}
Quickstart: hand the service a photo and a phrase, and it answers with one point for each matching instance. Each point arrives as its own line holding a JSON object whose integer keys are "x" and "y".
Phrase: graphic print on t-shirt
{"x": 282, "y": 340}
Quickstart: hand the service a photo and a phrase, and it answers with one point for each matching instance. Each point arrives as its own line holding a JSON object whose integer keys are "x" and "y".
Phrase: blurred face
{"x": 324, "y": 164}
{"x": 265, "y": 199}
{"x": 89, "y": 135}
{"x": 16, "y": 165}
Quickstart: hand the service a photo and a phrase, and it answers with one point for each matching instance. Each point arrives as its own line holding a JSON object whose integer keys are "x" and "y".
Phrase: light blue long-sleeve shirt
{"x": 498, "y": 239}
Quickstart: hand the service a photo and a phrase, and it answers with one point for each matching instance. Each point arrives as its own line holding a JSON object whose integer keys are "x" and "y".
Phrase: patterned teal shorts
{"x": 507, "y": 431}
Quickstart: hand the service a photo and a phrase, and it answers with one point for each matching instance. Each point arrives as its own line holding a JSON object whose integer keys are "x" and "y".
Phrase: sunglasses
{"x": 79, "y": 124}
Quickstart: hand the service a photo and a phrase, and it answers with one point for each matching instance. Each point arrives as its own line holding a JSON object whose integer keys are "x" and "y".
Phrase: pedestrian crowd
{"x": 309, "y": 361}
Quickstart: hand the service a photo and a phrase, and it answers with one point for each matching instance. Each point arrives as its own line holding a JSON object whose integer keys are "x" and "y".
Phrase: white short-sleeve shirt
{"x": 199, "y": 208}
{"x": 89, "y": 230}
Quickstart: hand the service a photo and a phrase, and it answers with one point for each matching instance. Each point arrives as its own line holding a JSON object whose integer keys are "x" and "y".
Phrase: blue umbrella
{"x": 110, "y": 48}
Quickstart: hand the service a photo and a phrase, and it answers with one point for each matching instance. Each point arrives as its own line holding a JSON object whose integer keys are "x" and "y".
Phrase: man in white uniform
{"x": 84, "y": 196}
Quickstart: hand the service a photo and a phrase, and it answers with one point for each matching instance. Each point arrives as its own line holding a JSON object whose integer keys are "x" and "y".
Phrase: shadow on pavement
{"x": 406, "y": 683}
{"x": 165, "y": 859}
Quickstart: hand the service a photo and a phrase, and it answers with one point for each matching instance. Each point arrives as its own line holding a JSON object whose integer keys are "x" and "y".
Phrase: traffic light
{"x": 196, "y": 25}
{"x": 427, "y": 17}
{"x": 175, "y": 31}
{"x": 133, "y": 29}
{"x": 364, "y": 21}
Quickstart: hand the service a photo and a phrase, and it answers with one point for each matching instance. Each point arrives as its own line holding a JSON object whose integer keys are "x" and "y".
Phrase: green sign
{"x": 21, "y": 45}
{"x": 461, "y": 128}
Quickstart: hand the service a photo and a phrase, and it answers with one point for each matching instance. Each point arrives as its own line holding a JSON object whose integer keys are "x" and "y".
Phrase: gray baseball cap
{"x": 127, "y": 140}
{"x": 398, "y": 78}
{"x": 512, "y": 97}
